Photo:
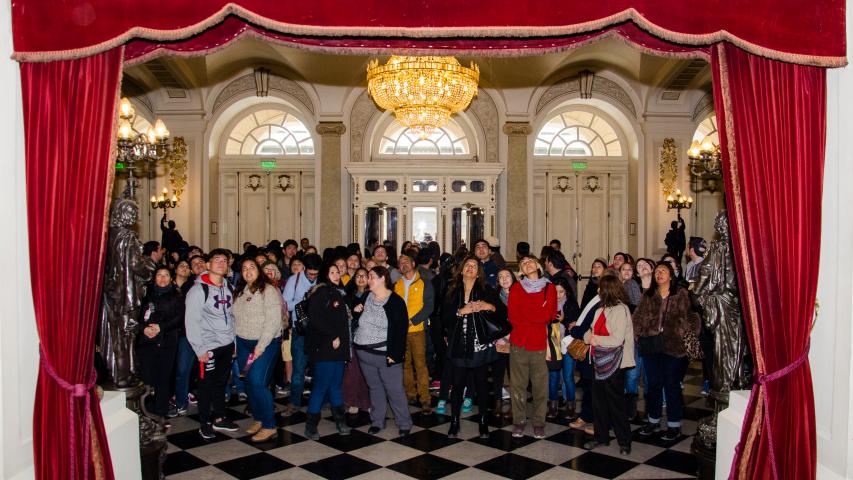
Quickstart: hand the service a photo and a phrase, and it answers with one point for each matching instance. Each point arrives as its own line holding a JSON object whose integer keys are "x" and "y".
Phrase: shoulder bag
{"x": 653, "y": 344}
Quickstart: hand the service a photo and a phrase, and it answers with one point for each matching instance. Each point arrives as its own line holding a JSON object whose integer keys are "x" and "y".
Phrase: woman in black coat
{"x": 157, "y": 341}
{"x": 327, "y": 345}
{"x": 474, "y": 317}
{"x": 599, "y": 265}
{"x": 380, "y": 344}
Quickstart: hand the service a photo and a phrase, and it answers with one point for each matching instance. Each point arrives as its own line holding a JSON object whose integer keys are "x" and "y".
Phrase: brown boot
{"x": 264, "y": 434}
{"x": 569, "y": 412}
{"x": 552, "y": 410}
{"x": 255, "y": 428}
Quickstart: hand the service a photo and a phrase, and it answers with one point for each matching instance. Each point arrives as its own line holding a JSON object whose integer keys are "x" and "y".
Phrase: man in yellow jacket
{"x": 419, "y": 297}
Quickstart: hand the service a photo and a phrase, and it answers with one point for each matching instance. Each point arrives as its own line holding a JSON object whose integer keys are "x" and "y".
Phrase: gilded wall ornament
{"x": 668, "y": 166}
{"x": 178, "y": 167}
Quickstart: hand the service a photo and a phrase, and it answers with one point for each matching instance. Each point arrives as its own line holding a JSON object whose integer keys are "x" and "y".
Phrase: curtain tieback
{"x": 75, "y": 391}
{"x": 764, "y": 379}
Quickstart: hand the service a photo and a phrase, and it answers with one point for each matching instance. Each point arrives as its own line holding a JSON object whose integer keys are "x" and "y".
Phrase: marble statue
{"x": 127, "y": 272}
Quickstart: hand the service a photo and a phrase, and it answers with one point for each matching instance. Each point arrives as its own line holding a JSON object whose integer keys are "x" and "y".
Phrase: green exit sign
{"x": 267, "y": 163}
{"x": 579, "y": 165}
{"x": 119, "y": 166}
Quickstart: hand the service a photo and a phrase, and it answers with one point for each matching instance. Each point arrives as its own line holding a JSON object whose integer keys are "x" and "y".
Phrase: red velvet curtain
{"x": 69, "y": 111}
{"x": 772, "y": 118}
{"x": 233, "y": 28}
{"x": 803, "y": 31}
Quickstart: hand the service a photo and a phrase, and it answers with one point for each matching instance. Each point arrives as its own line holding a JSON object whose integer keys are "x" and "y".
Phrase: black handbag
{"x": 650, "y": 345}
{"x": 653, "y": 344}
{"x": 300, "y": 323}
{"x": 492, "y": 329}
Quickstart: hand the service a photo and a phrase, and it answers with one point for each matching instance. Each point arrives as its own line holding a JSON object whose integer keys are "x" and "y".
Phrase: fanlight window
{"x": 577, "y": 134}
{"x": 707, "y": 131}
{"x": 269, "y": 132}
{"x": 400, "y": 140}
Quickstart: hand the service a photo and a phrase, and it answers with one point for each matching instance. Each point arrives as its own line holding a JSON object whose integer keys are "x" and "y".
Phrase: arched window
{"x": 707, "y": 131}
{"x": 269, "y": 132}
{"x": 577, "y": 133}
{"x": 400, "y": 140}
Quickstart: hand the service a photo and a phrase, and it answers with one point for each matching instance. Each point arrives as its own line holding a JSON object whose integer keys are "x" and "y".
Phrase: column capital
{"x": 517, "y": 128}
{"x": 331, "y": 129}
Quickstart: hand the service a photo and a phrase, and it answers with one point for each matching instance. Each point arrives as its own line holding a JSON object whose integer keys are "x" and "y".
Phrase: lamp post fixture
{"x": 135, "y": 148}
{"x": 164, "y": 202}
{"x": 705, "y": 166}
{"x": 678, "y": 202}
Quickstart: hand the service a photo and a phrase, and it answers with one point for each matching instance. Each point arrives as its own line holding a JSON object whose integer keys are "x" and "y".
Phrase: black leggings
{"x": 156, "y": 367}
{"x": 463, "y": 376}
{"x": 498, "y": 371}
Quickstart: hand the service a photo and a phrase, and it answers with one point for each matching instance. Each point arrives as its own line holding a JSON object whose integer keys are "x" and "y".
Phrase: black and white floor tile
{"x": 427, "y": 453}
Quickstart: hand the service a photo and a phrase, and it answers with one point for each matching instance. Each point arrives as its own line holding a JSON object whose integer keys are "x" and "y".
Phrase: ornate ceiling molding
{"x": 601, "y": 87}
{"x": 704, "y": 107}
{"x": 361, "y": 114}
{"x": 482, "y": 108}
{"x": 246, "y": 83}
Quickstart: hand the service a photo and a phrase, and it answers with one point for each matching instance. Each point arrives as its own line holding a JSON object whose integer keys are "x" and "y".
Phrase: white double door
{"x": 259, "y": 206}
{"x": 586, "y": 211}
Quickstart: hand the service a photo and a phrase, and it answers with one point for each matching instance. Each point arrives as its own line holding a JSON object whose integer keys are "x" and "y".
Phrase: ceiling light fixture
{"x": 423, "y": 92}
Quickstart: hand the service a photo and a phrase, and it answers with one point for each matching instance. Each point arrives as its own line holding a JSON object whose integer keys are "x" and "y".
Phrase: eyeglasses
{"x": 309, "y": 273}
{"x": 361, "y": 276}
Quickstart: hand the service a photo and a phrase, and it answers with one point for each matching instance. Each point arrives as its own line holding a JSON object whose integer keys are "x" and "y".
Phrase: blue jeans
{"x": 328, "y": 377}
{"x": 664, "y": 374}
{"x": 236, "y": 381}
{"x": 184, "y": 363}
{"x": 632, "y": 375}
{"x": 300, "y": 363}
{"x": 258, "y": 378}
{"x": 567, "y": 375}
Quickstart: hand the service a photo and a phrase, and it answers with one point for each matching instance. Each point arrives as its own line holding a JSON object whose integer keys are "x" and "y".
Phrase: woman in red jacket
{"x": 532, "y": 305}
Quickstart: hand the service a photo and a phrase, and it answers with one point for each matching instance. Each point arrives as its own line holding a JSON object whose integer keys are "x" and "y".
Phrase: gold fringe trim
{"x": 111, "y": 173}
{"x": 97, "y": 454}
{"x": 737, "y": 207}
{"x": 698, "y": 53}
{"x": 629, "y": 14}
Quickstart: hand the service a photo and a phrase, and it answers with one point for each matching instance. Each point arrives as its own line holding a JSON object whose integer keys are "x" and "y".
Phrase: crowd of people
{"x": 376, "y": 328}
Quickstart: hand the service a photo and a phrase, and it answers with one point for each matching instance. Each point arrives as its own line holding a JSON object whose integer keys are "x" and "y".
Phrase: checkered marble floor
{"x": 427, "y": 453}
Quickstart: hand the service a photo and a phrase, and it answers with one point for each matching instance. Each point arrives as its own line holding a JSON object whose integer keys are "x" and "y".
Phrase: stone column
{"x": 330, "y": 184}
{"x": 516, "y": 186}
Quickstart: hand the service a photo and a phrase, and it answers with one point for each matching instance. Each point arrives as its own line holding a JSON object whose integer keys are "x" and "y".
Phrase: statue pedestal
{"x": 150, "y": 439}
{"x": 122, "y": 427}
{"x": 729, "y": 423}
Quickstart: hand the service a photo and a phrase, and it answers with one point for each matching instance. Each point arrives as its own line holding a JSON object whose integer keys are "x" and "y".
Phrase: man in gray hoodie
{"x": 210, "y": 331}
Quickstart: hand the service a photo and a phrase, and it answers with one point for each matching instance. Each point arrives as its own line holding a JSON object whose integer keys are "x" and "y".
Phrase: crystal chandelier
{"x": 423, "y": 92}
{"x": 144, "y": 147}
{"x": 705, "y": 165}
